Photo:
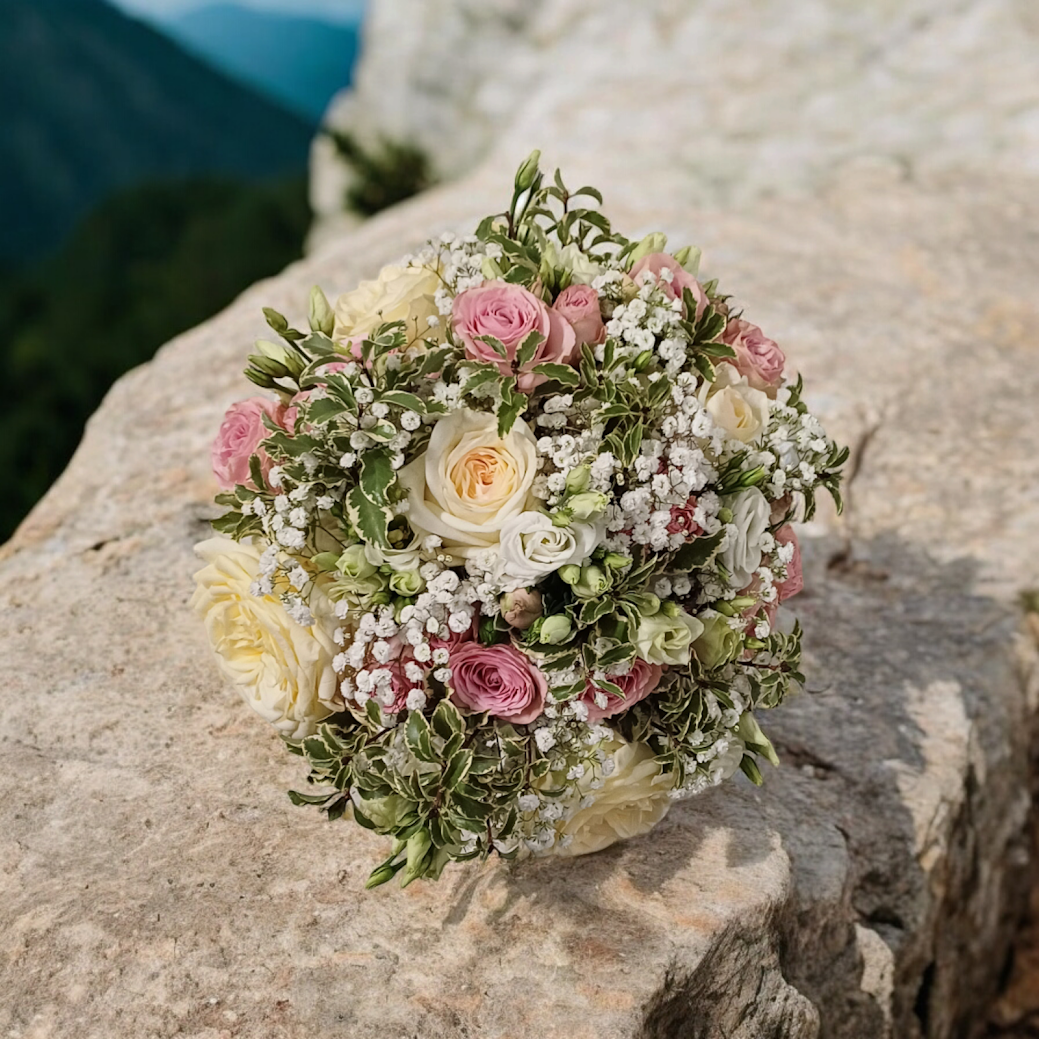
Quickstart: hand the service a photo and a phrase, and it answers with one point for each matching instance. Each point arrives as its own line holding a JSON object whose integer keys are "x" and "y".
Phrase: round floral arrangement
{"x": 503, "y": 549}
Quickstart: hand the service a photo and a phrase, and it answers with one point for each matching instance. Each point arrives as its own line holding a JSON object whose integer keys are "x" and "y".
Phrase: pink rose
{"x": 510, "y": 313}
{"x": 682, "y": 279}
{"x": 579, "y": 304}
{"x": 757, "y": 356}
{"x": 498, "y": 679}
{"x": 794, "y": 583}
{"x": 637, "y": 684}
{"x": 683, "y": 520}
{"x": 240, "y": 436}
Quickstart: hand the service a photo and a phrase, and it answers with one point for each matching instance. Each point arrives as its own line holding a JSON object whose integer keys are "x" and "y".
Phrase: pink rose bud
{"x": 510, "y": 313}
{"x": 757, "y": 356}
{"x": 794, "y": 583}
{"x": 240, "y": 436}
{"x": 497, "y": 679}
{"x": 521, "y": 608}
{"x": 680, "y": 278}
{"x": 579, "y": 304}
{"x": 636, "y": 685}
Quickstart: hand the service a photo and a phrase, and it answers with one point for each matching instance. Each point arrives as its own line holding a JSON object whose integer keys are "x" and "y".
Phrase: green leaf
{"x": 256, "y": 472}
{"x": 377, "y": 475}
{"x": 527, "y": 349}
{"x": 592, "y": 610}
{"x": 310, "y": 799}
{"x": 325, "y": 409}
{"x": 697, "y": 553}
{"x": 562, "y": 373}
{"x": 417, "y": 735}
{"x": 495, "y": 344}
{"x": 407, "y": 401}
{"x": 511, "y": 407}
{"x": 369, "y": 519}
{"x": 590, "y": 192}
{"x": 481, "y": 378}
{"x": 228, "y": 523}
{"x": 446, "y": 720}
{"x": 458, "y": 767}
{"x": 589, "y": 370}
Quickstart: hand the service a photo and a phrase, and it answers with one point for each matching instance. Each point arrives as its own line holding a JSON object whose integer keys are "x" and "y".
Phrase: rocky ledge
{"x": 156, "y": 881}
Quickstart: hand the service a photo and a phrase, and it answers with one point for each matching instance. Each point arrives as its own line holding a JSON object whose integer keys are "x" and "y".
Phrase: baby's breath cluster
{"x": 504, "y": 545}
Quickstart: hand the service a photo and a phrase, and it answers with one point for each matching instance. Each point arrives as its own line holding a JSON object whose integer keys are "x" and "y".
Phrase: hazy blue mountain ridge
{"x": 300, "y": 61}
{"x": 93, "y": 101}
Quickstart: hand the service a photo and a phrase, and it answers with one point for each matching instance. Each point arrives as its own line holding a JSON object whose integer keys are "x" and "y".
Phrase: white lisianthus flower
{"x": 742, "y": 552}
{"x": 583, "y": 270}
{"x": 532, "y": 547}
{"x": 397, "y": 294}
{"x": 470, "y": 482}
{"x": 735, "y": 406}
{"x": 282, "y": 670}
{"x": 725, "y": 765}
{"x": 631, "y": 801}
{"x": 666, "y": 640}
{"x": 399, "y": 559}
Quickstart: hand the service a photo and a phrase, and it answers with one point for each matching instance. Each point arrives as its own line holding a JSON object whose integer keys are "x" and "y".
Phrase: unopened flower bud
{"x": 652, "y": 243}
{"x": 408, "y": 583}
{"x": 527, "y": 173}
{"x": 689, "y": 257}
{"x": 670, "y": 609}
{"x": 579, "y": 479}
{"x": 490, "y": 269}
{"x": 571, "y": 573}
{"x": 592, "y": 583}
{"x": 750, "y": 732}
{"x": 521, "y": 608}
{"x": 643, "y": 360}
{"x": 718, "y": 644}
{"x": 354, "y": 563}
{"x": 556, "y": 629}
{"x": 586, "y": 505}
{"x": 616, "y": 561}
{"x": 322, "y": 316}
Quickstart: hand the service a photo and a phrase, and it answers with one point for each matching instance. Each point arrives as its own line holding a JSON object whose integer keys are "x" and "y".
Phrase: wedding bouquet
{"x": 504, "y": 547}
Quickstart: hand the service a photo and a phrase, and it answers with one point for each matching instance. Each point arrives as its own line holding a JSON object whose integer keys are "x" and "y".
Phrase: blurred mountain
{"x": 93, "y": 100}
{"x": 296, "y": 60}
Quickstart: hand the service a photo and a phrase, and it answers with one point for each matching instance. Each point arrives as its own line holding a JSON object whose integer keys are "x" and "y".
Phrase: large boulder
{"x": 156, "y": 881}
{"x": 761, "y": 96}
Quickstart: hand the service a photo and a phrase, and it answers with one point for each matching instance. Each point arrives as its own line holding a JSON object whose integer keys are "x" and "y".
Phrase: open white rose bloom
{"x": 506, "y": 567}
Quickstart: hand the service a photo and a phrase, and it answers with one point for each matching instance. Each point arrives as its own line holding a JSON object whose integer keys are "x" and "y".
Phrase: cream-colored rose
{"x": 631, "y": 801}
{"x": 735, "y": 406}
{"x": 667, "y": 640}
{"x": 282, "y": 670}
{"x": 398, "y": 294}
{"x": 470, "y": 482}
{"x": 532, "y": 546}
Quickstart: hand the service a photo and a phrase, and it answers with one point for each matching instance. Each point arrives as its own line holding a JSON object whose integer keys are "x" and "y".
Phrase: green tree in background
{"x": 148, "y": 264}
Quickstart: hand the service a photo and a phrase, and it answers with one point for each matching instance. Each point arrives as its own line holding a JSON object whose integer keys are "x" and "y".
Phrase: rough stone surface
{"x": 763, "y": 97}
{"x": 155, "y": 880}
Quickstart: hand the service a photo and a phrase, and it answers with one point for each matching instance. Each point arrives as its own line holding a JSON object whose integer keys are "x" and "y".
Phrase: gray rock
{"x": 760, "y": 96}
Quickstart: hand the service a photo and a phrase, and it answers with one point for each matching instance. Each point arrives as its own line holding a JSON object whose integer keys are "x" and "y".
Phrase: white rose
{"x": 470, "y": 482}
{"x": 735, "y": 406}
{"x": 532, "y": 547}
{"x": 583, "y": 271}
{"x": 665, "y": 640}
{"x": 631, "y": 801}
{"x": 742, "y": 552}
{"x": 398, "y": 294}
{"x": 282, "y": 670}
